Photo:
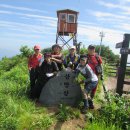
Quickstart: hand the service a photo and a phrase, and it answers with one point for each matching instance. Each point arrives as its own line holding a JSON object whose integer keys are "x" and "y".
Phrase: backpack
{"x": 98, "y": 67}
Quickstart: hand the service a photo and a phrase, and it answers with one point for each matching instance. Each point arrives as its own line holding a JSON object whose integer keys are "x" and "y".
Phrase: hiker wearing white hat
{"x": 72, "y": 59}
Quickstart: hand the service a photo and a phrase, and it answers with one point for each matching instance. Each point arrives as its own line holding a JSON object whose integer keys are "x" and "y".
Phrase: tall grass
{"x": 101, "y": 126}
{"x": 17, "y": 112}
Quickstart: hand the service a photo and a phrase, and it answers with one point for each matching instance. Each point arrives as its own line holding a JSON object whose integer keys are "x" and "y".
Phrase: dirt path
{"x": 75, "y": 124}
{"x": 111, "y": 84}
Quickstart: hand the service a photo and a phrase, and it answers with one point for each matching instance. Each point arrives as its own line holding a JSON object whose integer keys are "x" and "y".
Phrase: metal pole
{"x": 101, "y": 35}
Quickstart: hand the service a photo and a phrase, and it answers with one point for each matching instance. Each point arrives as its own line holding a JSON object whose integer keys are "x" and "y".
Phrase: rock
{"x": 61, "y": 89}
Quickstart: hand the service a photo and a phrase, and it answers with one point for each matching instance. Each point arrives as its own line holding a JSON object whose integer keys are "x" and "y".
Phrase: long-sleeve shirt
{"x": 46, "y": 68}
{"x": 34, "y": 60}
{"x": 58, "y": 57}
{"x": 87, "y": 72}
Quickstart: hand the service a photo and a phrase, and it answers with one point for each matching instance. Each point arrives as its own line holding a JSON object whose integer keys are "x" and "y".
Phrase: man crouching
{"x": 47, "y": 70}
{"x": 90, "y": 81}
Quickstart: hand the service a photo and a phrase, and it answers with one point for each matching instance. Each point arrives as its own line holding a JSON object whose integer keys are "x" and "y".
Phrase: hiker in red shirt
{"x": 57, "y": 56}
{"x": 94, "y": 60}
{"x": 34, "y": 61}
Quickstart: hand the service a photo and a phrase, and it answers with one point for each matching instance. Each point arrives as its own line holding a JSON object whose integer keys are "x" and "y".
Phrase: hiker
{"x": 34, "y": 61}
{"x": 46, "y": 71}
{"x": 57, "y": 55}
{"x": 91, "y": 80}
{"x": 94, "y": 61}
{"x": 72, "y": 59}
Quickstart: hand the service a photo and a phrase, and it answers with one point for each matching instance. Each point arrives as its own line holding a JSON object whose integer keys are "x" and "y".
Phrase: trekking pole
{"x": 104, "y": 89}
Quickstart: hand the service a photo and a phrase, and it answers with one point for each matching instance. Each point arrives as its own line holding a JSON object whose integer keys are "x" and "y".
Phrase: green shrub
{"x": 116, "y": 112}
{"x": 7, "y": 123}
{"x": 100, "y": 126}
{"x": 66, "y": 112}
{"x": 34, "y": 121}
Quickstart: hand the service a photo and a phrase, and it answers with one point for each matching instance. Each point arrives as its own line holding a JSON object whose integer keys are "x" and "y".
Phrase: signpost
{"x": 125, "y": 51}
{"x": 122, "y": 69}
{"x": 119, "y": 45}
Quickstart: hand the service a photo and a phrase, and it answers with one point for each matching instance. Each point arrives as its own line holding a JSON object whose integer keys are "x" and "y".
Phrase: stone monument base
{"x": 62, "y": 89}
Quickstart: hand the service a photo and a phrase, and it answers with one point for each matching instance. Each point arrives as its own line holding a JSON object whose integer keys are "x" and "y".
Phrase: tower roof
{"x": 67, "y": 10}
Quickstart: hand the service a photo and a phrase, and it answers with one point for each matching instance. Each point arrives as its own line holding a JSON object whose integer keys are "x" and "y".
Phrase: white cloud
{"x": 26, "y": 28}
{"x": 123, "y": 26}
{"x": 109, "y": 15}
{"x": 5, "y": 12}
{"x": 109, "y": 5}
{"x": 121, "y": 6}
{"x": 40, "y": 17}
{"x": 21, "y": 8}
{"x": 127, "y": 0}
{"x": 92, "y": 33}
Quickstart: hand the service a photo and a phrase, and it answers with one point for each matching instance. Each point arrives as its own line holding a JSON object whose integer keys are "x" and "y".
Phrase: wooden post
{"x": 122, "y": 68}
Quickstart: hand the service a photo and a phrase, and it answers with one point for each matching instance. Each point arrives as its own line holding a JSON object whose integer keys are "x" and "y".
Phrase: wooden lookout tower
{"x": 67, "y": 26}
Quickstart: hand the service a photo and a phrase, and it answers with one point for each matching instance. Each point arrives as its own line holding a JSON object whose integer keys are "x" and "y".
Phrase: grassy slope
{"x": 17, "y": 112}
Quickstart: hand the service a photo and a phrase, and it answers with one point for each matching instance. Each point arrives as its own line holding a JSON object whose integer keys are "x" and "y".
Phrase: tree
{"x": 46, "y": 50}
{"x": 107, "y": 53}
{"x": 25, "y": 51}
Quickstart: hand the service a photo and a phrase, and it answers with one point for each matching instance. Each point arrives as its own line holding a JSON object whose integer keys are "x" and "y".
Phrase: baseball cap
{"x": 91, "y": 46}
{"x": 83, "y": 57}
{"x": 37, "y": 47}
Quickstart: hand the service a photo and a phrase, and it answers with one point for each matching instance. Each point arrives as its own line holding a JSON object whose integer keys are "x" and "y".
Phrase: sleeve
{"x": 100, "y": 59}
{"x": 88, "y": 75}
{"x": 62, "y": 57}
{"x": 65, "y": 61}
{"x": 55, "y": 67}
{"x": 77, "y": 71}
{"x": 78, "y": 60}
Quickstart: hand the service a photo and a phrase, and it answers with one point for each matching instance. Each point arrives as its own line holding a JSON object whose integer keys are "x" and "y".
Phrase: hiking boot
{"x": 84, "y": 110}
{"x": 91, "y": 106}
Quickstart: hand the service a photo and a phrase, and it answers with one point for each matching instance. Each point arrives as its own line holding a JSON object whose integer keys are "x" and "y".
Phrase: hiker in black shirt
{"x": 47, "y": 70}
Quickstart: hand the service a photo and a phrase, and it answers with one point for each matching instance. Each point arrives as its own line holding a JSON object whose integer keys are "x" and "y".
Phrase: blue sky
{"x": 30, "y": 22}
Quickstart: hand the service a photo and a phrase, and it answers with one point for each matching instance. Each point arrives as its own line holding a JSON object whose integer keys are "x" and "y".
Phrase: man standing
{"x": 72, "y": 59}
{"x": 33, "y": 62}
{"x": 94, "y": 61}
